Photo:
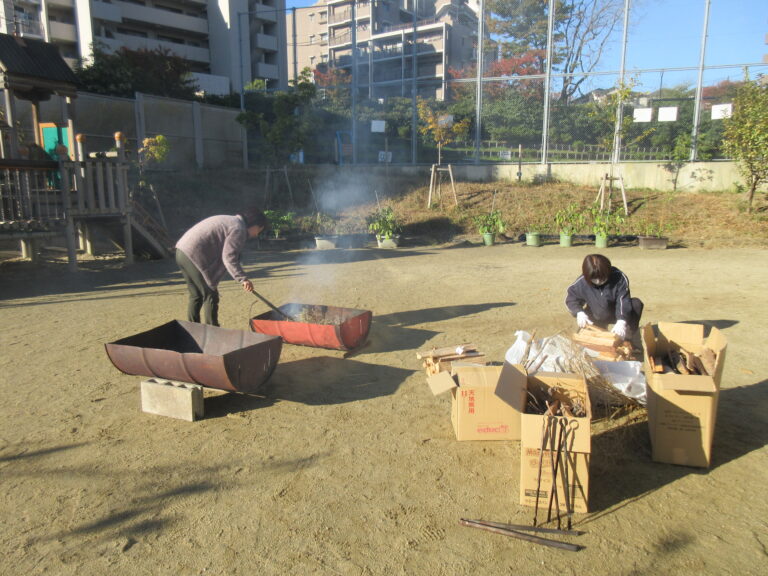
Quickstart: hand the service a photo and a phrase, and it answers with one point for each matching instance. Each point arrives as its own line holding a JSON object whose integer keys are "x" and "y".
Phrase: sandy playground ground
{"x": 350, "y": 466}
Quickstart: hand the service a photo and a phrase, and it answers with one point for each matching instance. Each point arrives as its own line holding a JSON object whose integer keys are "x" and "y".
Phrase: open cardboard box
{"x": 682, "y": 408}
{"x": 486, "y": 401}
{"x": 571, "y": 386}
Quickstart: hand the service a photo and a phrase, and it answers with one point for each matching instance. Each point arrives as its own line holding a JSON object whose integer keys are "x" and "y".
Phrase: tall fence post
{"x": 197, "y": 128}
{"x": 616, "y": 153}
{"x": 141, "y": 126}
{"x": 547, "y": 81}
{"x": 479, "y": 87}
{"x": 697, "y": 103}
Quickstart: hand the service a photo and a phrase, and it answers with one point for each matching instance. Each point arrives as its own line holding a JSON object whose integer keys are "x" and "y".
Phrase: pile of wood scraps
{"x": 440, "y": 359}
{"x": 605, "y": 343}
{"x": 681, "y": 361}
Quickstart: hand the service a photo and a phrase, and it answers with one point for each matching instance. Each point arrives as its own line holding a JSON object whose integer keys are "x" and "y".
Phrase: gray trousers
{"x": 201, "y": 296}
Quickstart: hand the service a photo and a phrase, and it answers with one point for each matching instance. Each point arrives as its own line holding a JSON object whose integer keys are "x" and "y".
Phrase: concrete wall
{"x": 697, "y": 176}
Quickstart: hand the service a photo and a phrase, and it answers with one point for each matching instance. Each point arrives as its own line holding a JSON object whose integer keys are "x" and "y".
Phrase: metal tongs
{"x": 519, "y": 531}
{"x": 273, "y": 307}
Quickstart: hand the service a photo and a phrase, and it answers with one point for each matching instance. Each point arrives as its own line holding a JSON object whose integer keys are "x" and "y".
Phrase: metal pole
{"x": 354, "y": 84}
{"x": 697, "y": 103}
{"x": 479, "y": 87}
{"x": 547, "y": 80}
{"x": 243, "y": 129}
{"x": 295, "y": 55}
{"x": 616, "y": 153}
{"x": 414, "y": 110}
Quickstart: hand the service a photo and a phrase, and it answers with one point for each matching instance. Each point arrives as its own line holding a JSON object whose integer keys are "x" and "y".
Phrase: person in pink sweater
{"x": 211, "y": 249}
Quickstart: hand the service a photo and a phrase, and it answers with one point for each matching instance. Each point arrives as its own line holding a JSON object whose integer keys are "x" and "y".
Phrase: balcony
{"x": 262, "y": 70}
{"x": 61, "y": 4}
{"x": 265, "y": 13}
{"x": 62, "y": 32}
{"x": 264, "y": 42}
{"x": 106, "y": 12}
{"x": 30, "y": 28}
{"x": 345, "y": 15}
{"x": 164, "y": 18}
{"x": 192, "y": 53}
{"x": 345, "y": 38}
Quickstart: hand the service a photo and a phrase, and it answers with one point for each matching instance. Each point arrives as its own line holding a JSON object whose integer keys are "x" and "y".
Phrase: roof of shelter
{"x": 34, "y": 69}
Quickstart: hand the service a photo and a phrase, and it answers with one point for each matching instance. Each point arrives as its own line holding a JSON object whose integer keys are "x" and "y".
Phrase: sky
{"x": 667, "y": 34}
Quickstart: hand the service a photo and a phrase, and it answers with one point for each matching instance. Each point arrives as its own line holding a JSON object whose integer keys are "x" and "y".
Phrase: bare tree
{"x": 582, "y": 31}
{"x": 587, "y": 28}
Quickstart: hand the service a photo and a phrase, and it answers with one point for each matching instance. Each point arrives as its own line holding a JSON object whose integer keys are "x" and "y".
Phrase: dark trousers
{"x": 633, "y": 323}
{"x": 201, "y": 296}
{"x": 637, "y": 313}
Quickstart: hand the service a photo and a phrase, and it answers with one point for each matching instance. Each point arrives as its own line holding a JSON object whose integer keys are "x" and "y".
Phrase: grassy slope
{"x": 699, "y": 219}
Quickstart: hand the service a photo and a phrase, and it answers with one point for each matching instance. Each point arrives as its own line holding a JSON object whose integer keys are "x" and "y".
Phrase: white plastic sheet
{"x": 627, "y": 377}
{"x": 552, "y": 355}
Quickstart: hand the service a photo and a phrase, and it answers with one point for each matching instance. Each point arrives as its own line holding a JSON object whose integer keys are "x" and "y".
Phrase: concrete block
{"x": 174, "y": 399}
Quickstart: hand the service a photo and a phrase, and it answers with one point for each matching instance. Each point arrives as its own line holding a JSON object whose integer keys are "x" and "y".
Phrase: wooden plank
{"x": 598, "y": 340}
{"x": 98, "y": 167}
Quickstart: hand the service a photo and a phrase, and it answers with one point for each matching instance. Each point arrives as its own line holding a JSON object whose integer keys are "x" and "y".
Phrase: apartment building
{"x": 227, "y": 43}
{"x": 384, "y": 33}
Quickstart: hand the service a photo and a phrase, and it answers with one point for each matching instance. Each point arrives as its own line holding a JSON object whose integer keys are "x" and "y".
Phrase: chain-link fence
{"x": 560, "y": 87}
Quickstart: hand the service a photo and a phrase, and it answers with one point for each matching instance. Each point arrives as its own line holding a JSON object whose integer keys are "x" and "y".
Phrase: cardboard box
{"x": 682, "y": 408}
{"x": 486, "y": 401}
{"x": 573, "y": 386}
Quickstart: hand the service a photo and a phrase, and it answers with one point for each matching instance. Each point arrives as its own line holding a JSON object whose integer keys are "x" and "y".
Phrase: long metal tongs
{"x": 518, "y": 531}
{"x": 275, "y": 308}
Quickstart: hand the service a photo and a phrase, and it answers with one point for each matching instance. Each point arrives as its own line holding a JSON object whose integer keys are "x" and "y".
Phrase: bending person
{"x": 210, "y": 249}
{"x": 601, "y": 296}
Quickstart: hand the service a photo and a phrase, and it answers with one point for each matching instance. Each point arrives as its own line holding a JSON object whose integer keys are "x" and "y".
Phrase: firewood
{"x": 687, "y": 357}
{"x": 708, "y": 360}
{"x": 657, "y": 364}
{"x": 594, "y": 338}
{"x": 677, "y": 362}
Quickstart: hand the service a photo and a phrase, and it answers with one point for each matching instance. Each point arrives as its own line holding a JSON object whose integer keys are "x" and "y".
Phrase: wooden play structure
{"x": 45, "y": 194}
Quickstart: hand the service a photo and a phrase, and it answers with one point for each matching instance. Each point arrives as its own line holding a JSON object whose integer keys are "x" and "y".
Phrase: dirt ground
{"x": 350, "y": 466}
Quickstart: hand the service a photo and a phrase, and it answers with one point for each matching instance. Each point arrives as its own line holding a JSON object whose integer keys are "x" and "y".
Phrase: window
{"x": 311, "y": 39}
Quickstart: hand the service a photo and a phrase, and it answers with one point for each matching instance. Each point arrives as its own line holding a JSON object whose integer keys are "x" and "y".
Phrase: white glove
{"x": 583, "y": 320}
{"x": 620, "y": 329}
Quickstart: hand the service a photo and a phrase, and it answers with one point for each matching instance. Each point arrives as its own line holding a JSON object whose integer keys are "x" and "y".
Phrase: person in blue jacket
{"x": 601, "y": 296}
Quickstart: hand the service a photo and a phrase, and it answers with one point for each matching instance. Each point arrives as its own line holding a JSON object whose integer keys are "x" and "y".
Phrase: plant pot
{"x": 566, "y": 239}
{"x": 326, "y": 242}
{"x": 601, "y": 240}
{"x": 652, "y": 242}
{"x": 488, "y": 238}
{"x": 388, "y": 242}
{"x": 532, "y": 239}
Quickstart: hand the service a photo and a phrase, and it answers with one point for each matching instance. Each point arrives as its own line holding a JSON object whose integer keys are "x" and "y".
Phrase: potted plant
{"x": 654, "y": 236}
{"x": 489, "y": 225}
{"x": 385, "y": 225}
{"x": 324, "y": 226}
{"x": 603, "y": 224}
{"x": 279, "y": 222}
{"x": 569, "y": 221}
{"x": 534, "y": 230}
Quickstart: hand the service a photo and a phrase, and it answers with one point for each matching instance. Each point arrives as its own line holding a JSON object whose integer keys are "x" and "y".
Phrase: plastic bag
{"x": 516, "y": 352}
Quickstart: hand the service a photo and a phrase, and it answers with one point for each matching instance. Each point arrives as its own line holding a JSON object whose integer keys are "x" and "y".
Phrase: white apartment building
{"x": 227, "y": 43}
{"x": 384, "y": 32}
